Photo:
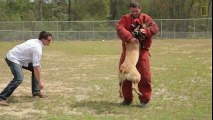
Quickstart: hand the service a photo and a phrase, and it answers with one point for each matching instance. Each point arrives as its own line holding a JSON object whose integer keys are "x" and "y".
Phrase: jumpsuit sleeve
{"x": 152, "y": 28}
{"x": 122, "y": 31}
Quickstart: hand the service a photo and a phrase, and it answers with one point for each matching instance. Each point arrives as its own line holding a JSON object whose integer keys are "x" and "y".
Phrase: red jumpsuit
{"x": 143, "y": 65}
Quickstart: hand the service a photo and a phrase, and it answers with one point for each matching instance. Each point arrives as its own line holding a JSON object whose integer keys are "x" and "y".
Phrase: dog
{"x": 128, "y": 70}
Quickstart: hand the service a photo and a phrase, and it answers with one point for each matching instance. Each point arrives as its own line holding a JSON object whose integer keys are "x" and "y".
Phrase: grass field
{"x": 81, "y": 82}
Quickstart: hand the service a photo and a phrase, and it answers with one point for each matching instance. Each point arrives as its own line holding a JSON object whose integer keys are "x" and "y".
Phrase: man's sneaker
{"x": 143, "y": 105}
{"x": 126, "y": 103}
{"x": 3, "y": 103}
{"x": 40, "y": 95}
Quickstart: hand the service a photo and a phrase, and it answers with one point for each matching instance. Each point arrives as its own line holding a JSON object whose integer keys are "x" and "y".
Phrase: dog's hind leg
{"x": 120, "y": 90}
{"x": 134, "y": 88}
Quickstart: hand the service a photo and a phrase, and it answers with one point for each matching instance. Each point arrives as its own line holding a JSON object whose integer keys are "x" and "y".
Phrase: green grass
{"x": 81, "y": 82}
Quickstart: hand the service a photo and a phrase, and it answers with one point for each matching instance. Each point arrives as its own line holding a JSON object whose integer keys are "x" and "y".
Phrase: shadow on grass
{"x": 101, "y": 107}
{"x": 20, "y": 99}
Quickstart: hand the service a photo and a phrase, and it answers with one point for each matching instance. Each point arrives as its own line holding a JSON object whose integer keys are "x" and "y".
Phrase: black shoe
{"x": 126, "y": 103}
{"x": 41, "y": 95}
{"x": 143, "y": 105}
{"x": 4, "y": 103}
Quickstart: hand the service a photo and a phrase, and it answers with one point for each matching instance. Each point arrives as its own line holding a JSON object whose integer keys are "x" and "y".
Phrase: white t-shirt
{"x": 27, "y": 52}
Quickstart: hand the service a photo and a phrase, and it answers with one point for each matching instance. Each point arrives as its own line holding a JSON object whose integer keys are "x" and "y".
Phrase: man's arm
{"x": 37, "y": 72}
{"x": 122, "y": 32}
{"x": 152, "y": 27}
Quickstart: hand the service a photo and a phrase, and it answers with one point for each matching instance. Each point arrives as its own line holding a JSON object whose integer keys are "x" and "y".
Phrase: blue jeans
{"x": 17, "y": 72}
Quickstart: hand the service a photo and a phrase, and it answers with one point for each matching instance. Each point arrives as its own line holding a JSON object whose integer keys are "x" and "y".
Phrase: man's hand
{"x": 37, "y": 71}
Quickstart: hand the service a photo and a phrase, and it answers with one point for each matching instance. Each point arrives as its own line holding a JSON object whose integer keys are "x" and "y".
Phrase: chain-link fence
{"x": 102, "y": 30}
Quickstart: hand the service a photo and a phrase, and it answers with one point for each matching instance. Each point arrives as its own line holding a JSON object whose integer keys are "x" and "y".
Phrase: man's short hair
{"x": 44, "y": 35}
{"x": 134, "y": 4}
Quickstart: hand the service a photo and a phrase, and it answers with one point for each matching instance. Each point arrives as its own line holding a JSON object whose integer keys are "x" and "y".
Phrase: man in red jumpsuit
{"x": 143, "y": 65}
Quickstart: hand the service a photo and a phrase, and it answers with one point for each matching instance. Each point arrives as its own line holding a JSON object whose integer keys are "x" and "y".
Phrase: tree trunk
{"x": 210, "y": 9}
{"x": 209, "y": 15}
{"x": 182, "y": 8}
{"x": 69, "y": 11}
{"x": 188, "y": 15}
{"x": 113, "y": 9}
{"x": 40, "y": 9}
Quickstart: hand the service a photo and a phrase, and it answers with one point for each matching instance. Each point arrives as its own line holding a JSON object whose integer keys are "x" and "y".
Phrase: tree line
{"x": 75, "y": 10}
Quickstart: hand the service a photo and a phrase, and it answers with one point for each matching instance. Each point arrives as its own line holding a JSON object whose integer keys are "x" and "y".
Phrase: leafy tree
{"x": 61, "y": 10}
{"x": 3, "y": 13}
{"x": 92, "y": 10}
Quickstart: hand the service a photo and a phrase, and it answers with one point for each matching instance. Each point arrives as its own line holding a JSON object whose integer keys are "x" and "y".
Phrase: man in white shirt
{"x": 27, "y": 56}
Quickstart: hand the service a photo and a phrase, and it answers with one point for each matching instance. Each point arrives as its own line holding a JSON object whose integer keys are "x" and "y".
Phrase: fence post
{"x": 93, "y": 30}
{"x": 194, "y": 28}
{"x": 174, "y": 29}
{"x": 161, "y": 29}
{"x": 57, "y": 30}
{"x": 41, "y": 25}
{"x": 79, "y": 35}
{"x": 23, "y": 30}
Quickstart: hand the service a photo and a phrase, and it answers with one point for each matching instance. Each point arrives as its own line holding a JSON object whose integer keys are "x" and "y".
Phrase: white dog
{"x": 128, "y": 70}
